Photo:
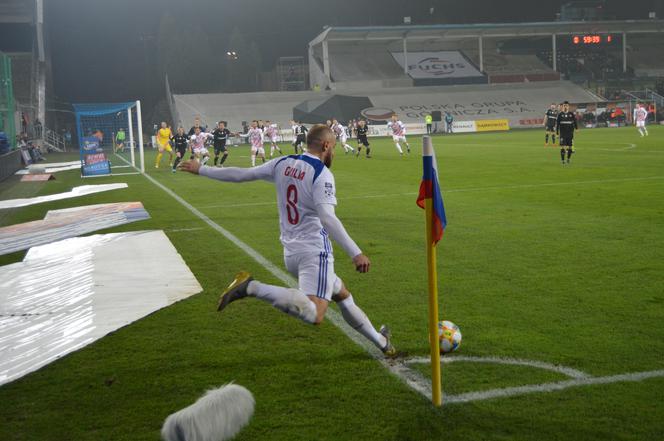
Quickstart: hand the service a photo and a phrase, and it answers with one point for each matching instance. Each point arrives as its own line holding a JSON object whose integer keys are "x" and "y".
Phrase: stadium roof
{"x": 488, "y": 30}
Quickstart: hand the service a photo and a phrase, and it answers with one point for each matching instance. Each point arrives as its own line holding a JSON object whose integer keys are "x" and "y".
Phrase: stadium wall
{"x": 10, "y": 163}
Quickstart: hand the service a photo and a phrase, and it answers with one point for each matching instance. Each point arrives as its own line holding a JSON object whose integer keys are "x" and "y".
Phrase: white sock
{"x": 289, "y": 300}
{"x": 646, "y": 130}
{"x": 205, "y": 160}
{"x": 253, "y": 160}
{"x": 349, "y": 147}
{"x": 359, "y": 321}
{"x": 399, "y": 148}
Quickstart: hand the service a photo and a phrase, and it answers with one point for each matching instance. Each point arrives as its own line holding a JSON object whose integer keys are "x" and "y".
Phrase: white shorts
{"x": 257, "y": 151}
{"x": 397, "y": 138}
{"x": 201, "y": 151}
{"x": 343, "y": 139}
{"x": 315, "y": 274}
{"x": 640, "y": 124}
{"x": 273, "y": 140}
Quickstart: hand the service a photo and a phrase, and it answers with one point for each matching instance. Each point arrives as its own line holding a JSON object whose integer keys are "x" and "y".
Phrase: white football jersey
{"x": 198, "y": 141}
{"x": 255, "y": 137}
{"x": 271, "y": 130}
{"x": 302, "y": 182}
{"x": 640, "y": 114}
{"x": 398, "y": 128}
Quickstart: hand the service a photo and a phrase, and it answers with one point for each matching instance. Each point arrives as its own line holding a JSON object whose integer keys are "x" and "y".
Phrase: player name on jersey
{"x": 295, "y": 173}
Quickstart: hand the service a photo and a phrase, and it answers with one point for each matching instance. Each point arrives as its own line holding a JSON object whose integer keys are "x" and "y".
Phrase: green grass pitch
{"x": 540, "y": 261}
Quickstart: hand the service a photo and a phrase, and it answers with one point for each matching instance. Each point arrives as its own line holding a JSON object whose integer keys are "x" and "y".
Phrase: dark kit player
{"x": 300, "y": 137}
{"x": 362, "y": 139}
{"x": 180, "y": 142}
{"x": 550, "y": 120}
{"x": 565, "y": 126}
{"x": 197, "y": 123}
{"x": 221, "y": 134}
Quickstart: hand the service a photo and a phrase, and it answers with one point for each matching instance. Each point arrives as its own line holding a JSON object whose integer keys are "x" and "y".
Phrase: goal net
{"x": 110, "y": 138}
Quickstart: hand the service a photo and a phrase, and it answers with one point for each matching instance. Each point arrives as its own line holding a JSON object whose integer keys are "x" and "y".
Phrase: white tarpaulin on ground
{"x": 439, "y": 64}
{"x": 69, "y": 222}
{"x": 74, "y": 193}
{"x": 67, "y": 294}
{"x": 50, "y": 167}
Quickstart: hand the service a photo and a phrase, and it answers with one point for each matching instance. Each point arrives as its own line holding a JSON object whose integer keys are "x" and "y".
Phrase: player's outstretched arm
{"x": 230, "y": 174}
{"x": 336, "y": 230}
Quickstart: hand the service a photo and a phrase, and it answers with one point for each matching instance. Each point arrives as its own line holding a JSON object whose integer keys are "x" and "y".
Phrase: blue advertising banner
{"x": 93, "y": 158}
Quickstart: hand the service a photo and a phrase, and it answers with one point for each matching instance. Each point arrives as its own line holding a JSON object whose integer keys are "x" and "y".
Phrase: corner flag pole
{"x": 436, "y": 383}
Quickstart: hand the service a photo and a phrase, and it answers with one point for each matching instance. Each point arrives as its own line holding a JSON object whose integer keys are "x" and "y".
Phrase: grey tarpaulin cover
{"x": 69, "y": 222}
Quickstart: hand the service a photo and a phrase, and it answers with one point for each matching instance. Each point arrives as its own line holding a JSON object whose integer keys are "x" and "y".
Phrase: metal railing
{"x": 54, "y": 141}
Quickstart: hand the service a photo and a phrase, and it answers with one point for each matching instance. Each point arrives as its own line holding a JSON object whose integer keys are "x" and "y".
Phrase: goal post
{"x": 109, "y": 135}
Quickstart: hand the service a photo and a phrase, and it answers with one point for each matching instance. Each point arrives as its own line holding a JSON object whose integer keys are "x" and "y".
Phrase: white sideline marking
{"x": 458, "y": 190}
{"x": 112, "y": 174}
{"x": 549, "y": 387}
{"x": 570, "y": 372}
{"x": 178, "y": 230}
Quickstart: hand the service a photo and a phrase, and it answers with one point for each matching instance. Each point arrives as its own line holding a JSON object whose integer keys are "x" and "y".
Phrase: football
{"x": 449, "y": 335}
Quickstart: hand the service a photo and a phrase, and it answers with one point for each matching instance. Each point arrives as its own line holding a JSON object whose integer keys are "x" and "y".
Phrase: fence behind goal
{"x": 110, "y": 136}
{"x": 7, "y": 106}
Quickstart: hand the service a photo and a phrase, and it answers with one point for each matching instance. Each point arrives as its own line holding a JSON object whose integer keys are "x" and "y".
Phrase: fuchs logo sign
{"x": 441, "y": 64}
{"x": 377, "y": 113}
{"x": 436, "y": 66}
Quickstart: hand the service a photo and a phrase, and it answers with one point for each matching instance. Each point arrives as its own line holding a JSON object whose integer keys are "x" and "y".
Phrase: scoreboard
{"x": 593, "y": 39}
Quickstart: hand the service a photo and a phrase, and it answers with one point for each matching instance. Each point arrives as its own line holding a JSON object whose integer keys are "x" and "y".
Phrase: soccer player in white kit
{"x": 271, "y": 133}
{"x": 255, "y": 136}
{"x": 306, "y": 199}
{"x": 398, "y": 133}
{"x": 342, "y": 135}
{"x": 640, "y": 116}
{"x": 198, "y": 145}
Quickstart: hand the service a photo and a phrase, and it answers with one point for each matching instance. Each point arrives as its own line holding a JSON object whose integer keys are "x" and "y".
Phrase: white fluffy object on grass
{"x": 217, "y": 416}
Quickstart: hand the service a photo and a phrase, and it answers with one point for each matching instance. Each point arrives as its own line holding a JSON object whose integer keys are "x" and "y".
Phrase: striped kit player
{"x": 342, "y": 135}
{"x": 398, "y": 133}
{"x": 271, "y": 134}
{"x": 640, "y": 117}
{"x": 255, "y": 136}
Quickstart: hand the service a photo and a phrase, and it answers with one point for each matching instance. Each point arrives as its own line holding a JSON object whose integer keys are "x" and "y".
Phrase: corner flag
{"x": 429, "y": 189}
{"x": 431, "y": 199}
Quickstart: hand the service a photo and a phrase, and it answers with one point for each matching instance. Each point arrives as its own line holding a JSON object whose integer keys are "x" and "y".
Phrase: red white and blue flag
{"x": 429, "y": 189}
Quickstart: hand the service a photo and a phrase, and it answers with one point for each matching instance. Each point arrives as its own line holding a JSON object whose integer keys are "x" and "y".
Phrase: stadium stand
{"x": 521, "y": 104}
{"x": 350, "y": 63}
{"x": 507, "y": 71}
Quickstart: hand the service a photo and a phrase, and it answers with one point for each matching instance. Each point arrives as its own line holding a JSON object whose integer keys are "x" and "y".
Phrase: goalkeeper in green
{"x": 120, "y": 140}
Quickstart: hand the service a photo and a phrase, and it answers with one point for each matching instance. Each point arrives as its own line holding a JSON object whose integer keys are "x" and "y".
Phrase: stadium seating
{"x": 373, "y": 64}
{"x": 364, "y": 63}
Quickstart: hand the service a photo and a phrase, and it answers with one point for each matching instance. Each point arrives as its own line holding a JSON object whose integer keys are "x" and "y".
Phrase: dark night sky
{"x": 98, "y": 53}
